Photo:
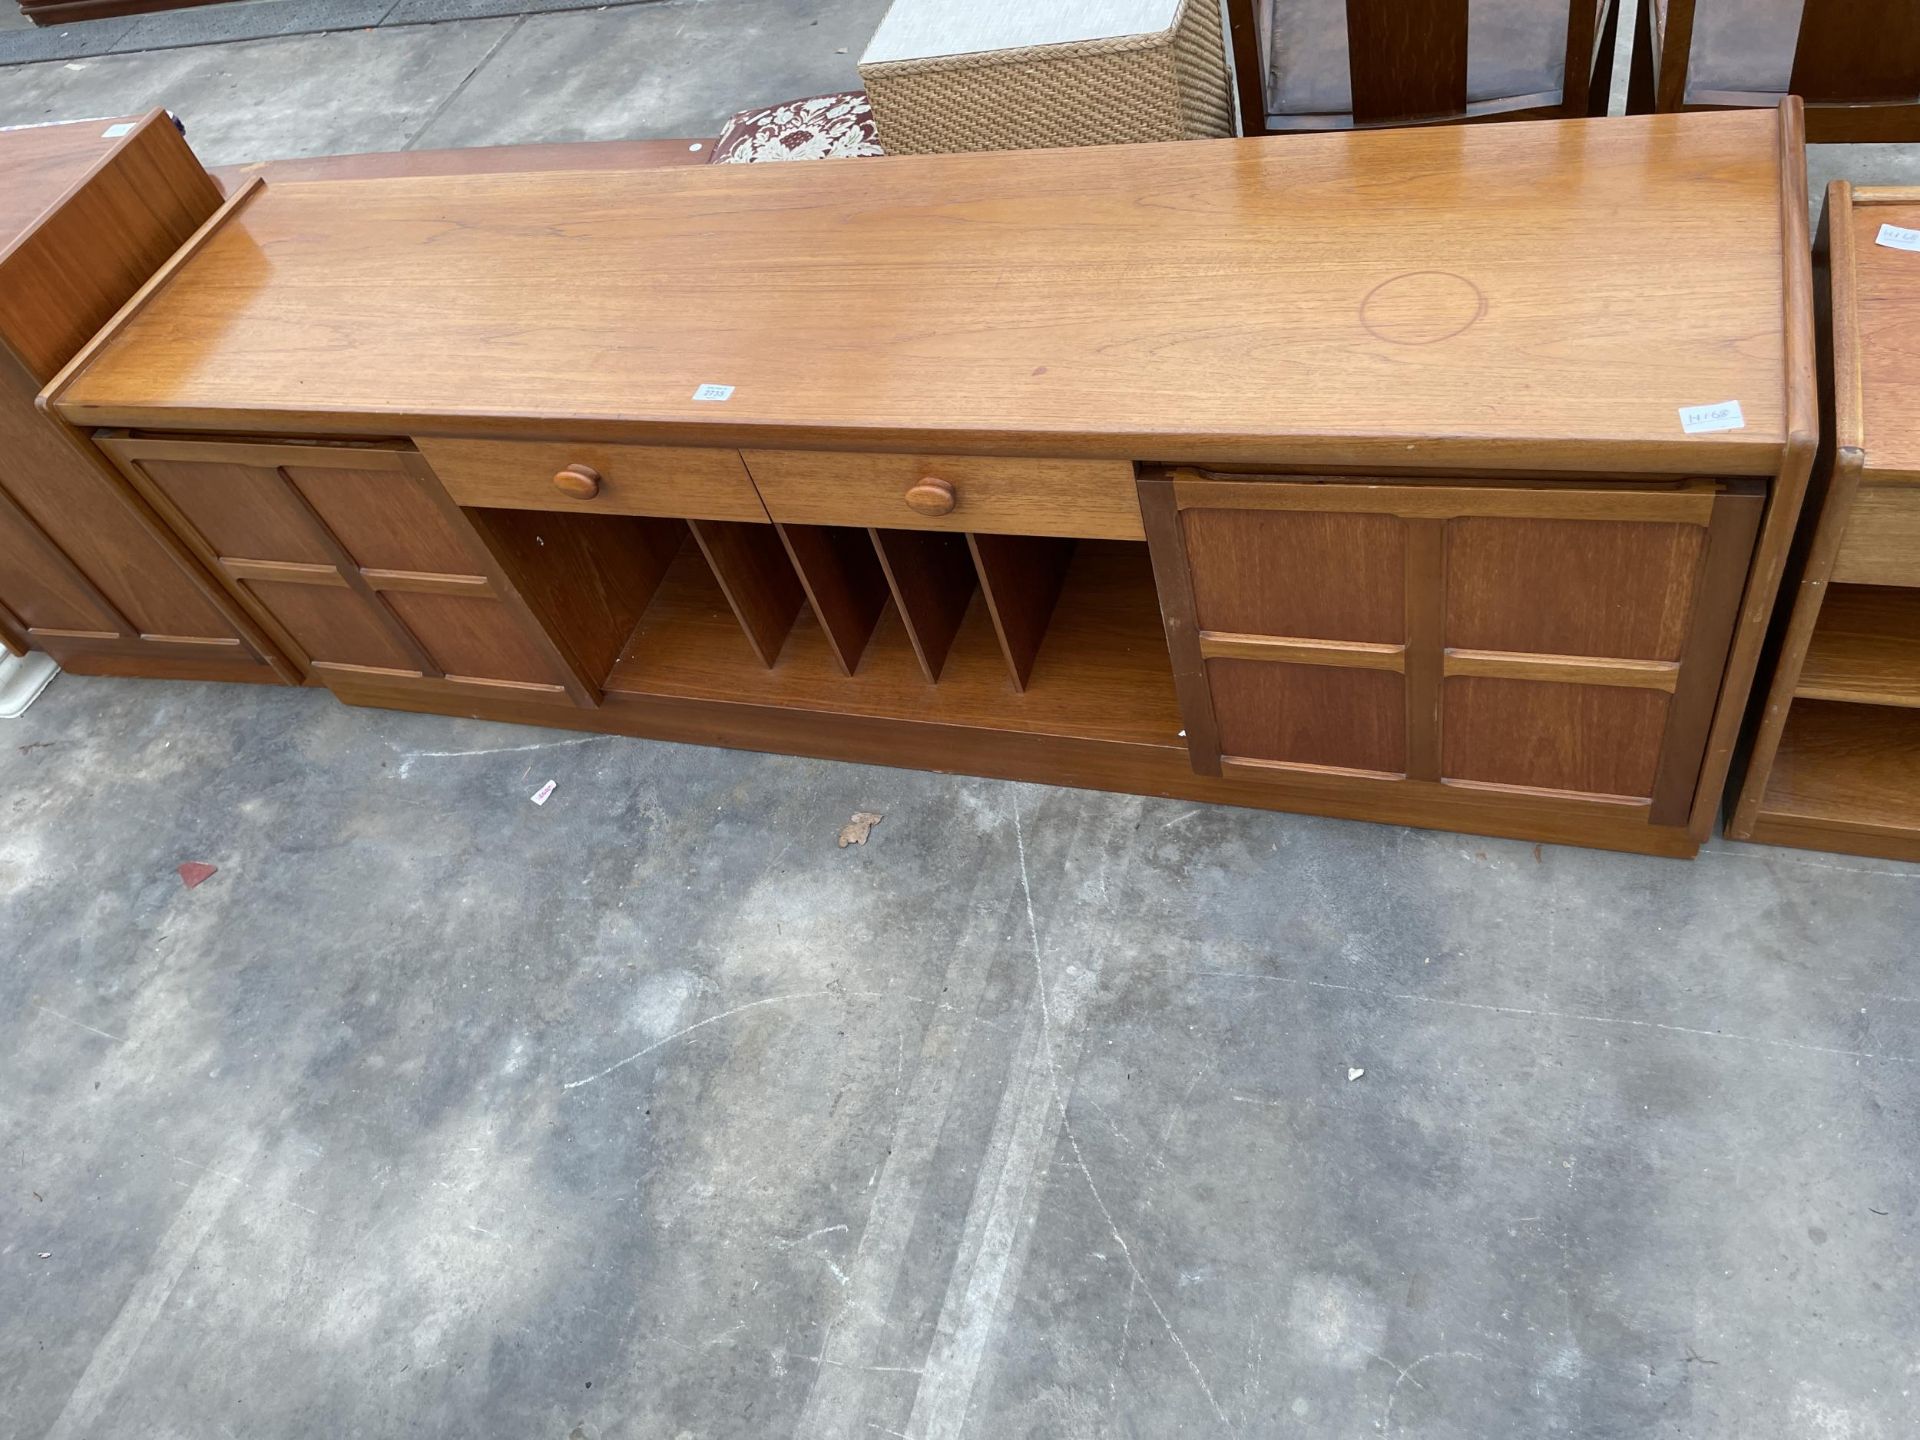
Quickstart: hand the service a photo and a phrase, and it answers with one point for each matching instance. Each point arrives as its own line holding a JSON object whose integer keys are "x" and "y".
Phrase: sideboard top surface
{"x": 1523, "y": 296}
{"x": 1884, "y": 321}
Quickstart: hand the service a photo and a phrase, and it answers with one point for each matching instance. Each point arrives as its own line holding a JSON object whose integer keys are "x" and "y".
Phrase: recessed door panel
{"x": 332, "y": 625}
{"x": 1590, "y": 739}
{"x": 1571, "y": 587}
{"x": 475, "y": 637}
{"x": 1310, "y": 714}
{"x": 1277, "y": 572}
{"x": 242, "y": 511}
{"x": 385, "y": 519}
{"x": 42, "y": 592}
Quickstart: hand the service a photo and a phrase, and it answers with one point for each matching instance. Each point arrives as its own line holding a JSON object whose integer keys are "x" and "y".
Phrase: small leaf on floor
{"x": 856, "y": 830}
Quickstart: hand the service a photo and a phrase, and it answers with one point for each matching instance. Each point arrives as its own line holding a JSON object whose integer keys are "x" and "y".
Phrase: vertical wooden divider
{"x": 930, "y": 573}
{"x": 756, "y": 577}
{"x": 1424, "y": 675}
{"x": 844, "y": 584}
{"x": 1021, "y": 576}
{"x": 589, "y": 578}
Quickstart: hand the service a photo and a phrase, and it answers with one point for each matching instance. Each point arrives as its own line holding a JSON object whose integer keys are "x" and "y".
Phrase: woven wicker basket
{"x": 1172, "y": 85}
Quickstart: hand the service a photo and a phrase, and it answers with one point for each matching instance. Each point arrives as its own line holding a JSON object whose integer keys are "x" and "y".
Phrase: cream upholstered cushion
{"x": 927, "y": 29}
{"x": 947, "y": 75}
{"x": 1744, "y": 45}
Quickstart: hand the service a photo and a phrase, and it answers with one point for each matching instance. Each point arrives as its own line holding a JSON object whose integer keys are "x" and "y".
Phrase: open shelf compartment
{"x": 1038, "y": 635}
{"x": 1099, "y": 668}
{"x": 1865, "y": 647}
{"x": 1845, "y": 772}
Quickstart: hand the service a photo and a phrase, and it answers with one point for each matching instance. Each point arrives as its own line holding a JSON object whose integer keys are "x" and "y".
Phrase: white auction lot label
{"x": 1705, "y": 419}
{"x": 1898, "y": 237}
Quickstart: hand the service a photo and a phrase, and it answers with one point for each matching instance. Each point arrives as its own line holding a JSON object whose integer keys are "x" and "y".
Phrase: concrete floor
{"x": 672, "y": 67}
{"x": 652, "y": 1113}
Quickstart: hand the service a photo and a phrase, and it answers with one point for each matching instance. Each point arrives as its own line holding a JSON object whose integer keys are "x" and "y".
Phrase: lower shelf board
{"x": 1847, "y": 778}
{"x": 1102, "y": 672}
{"x": 1097, "y": 710}
{"x": 1156, "y": 770}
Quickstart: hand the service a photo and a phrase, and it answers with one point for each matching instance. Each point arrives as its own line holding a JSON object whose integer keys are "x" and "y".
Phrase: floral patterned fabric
{"x": 822, "y": 127}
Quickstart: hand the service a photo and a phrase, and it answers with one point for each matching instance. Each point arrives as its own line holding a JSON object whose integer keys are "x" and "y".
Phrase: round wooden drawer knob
{"x": 582, "y": 482}
{"x": 932, "y": 496}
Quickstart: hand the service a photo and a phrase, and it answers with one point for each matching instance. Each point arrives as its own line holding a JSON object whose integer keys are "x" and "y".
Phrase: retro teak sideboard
{"x": 1348, "y": 474}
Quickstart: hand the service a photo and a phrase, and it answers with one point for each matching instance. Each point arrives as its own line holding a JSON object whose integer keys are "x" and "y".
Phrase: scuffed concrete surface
{"x": 653, "y": 1112}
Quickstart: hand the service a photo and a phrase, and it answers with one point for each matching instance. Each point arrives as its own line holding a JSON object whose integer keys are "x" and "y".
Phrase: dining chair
{"x": 1856, "y": 63}
{"x": 1349, "y": 64}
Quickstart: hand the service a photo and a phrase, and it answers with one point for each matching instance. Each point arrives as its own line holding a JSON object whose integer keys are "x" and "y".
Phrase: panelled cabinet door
{"x": 1563, "y": 641}
{"x": 354, "y": 558}
{"x": 87, "y": 577}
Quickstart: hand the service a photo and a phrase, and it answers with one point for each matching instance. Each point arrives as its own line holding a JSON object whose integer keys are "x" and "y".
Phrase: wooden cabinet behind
{"x": 354, "y": 560}
{"x": 87, "y": 214}
{"x": 1834, "y": 762}
{"x": 1556, "y": 642}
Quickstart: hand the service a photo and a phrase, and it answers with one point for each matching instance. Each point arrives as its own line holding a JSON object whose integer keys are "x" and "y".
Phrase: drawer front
{"x": 1882, "y": 543}
{"x": 989, "y": 494}
{"x": 597, "y": 479}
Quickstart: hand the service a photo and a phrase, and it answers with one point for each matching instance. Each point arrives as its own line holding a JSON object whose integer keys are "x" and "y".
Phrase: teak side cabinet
{"x": 87, "y": 213}
{"x": 1835, "y": 762}
{"x": 1343, "y": 474}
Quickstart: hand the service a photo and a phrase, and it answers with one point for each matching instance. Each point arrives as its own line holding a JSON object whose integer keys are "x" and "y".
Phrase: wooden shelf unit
{"x": 1835, "y": 758}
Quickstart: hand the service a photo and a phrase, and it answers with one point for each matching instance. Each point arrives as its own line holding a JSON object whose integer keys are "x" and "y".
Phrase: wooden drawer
{"x": 991, "y": 494}
{"x": 1882, "y": 543}
{"x": 699, "y": 484}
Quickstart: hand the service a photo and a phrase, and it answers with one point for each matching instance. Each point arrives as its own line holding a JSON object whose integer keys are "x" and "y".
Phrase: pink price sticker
{"x": 544, "y": 793}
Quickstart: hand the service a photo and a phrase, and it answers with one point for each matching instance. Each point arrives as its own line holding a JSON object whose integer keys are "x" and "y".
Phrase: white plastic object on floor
{"x": 22, "y": 678}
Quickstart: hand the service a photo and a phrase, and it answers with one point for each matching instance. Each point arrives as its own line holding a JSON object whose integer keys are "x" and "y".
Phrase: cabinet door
{"x": 91, "y": 577}
{"x": 1547, "y": 640}
{"x": 354, "y": 559}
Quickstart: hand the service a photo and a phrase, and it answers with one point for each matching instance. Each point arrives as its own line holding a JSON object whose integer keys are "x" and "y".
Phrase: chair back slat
{"x": 1408, "y": 59}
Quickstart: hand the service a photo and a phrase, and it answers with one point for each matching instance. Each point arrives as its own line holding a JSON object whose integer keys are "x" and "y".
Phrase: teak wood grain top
{"x": 1885, "y": 408}
{"x": 1529, "y": 297}
{"x": 45, "y": 162}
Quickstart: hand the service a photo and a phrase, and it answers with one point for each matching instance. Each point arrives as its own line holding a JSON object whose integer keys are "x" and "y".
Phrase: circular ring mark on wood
{"x": 1422, "y": 307}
